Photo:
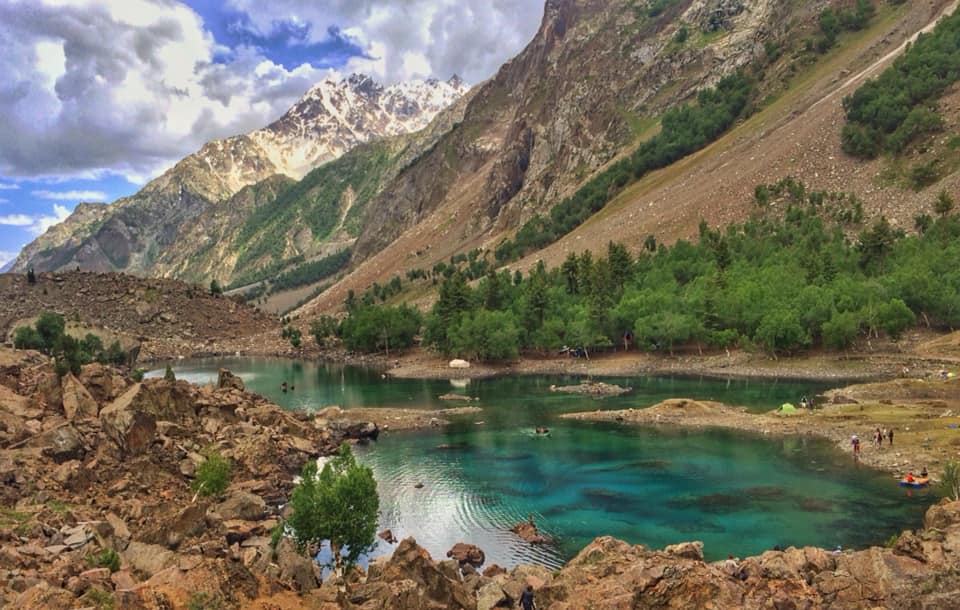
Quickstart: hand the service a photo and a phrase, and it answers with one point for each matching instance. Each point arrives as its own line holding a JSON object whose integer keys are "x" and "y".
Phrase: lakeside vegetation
{"x": 780, "y": 285}
{"x": 49, "y": 335}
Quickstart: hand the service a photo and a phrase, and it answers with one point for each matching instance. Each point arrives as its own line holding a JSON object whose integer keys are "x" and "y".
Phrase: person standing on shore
{"x": 878, "y": 437}
{"x": 886, "y": 434}
{"x": 855, "y": 441}
{"x": 890, "y": 436}
{"x": 526, "y": 599}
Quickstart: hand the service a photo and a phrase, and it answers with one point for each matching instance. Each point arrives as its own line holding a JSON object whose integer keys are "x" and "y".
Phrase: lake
{"x": 741, "y": 494}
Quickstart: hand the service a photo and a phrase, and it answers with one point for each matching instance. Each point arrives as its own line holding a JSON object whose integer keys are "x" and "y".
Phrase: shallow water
{"x": 739, "y": 493}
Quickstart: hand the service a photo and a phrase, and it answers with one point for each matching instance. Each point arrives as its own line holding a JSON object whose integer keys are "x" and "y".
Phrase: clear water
{"x": 739, "y": 493}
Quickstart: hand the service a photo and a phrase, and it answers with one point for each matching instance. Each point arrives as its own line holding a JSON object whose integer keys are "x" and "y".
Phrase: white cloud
{"x": 37, "y": 224}
{"x": 2, "y": 200}
{"x": 87, "y": 196}
{"x": 8, "y": 187}
{"x": 44, "y": 222}
{"x": 128, "y": 87}
{"x": 5, "y": 257}
{"x": 16, "y": 220}
{"x": 414, "y": 38}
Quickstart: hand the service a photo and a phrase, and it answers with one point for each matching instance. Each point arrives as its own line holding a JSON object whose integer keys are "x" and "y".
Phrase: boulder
{"x": 296, "y": 568}
{"x": 467, "y": 553}
{"x": 62, "y": 444}
{"x": 457, "y": 363}
{"x": 226, "y": 379}
{"x": 527, "y": 530}
{"x": 127, "y": 424}
{"x": 687, "y": 550}
{"x": 77, "y": 401}
{"x": 242, "y": 505}
{"x": 411, "y": 563}
{"x": 100, "y": 382}
{"x": 148, "y": 559}
{"x": 490, "y": 596}
{"x": 943, "y": 515}
{"x": 494, "y": 570}
{"x": 388, "y": 536}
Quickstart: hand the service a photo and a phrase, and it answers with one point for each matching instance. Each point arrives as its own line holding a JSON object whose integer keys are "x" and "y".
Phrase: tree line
{"x": 780, "y": 285}
{"x": 49, "y": 335}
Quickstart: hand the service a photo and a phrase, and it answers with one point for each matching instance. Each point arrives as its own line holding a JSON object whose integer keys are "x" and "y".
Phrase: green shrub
{"x": 168, "y": 374}
{"x": 950, "y": 480}
{"x": 213, "y": 474}
{"x": 27, "y": 337}
{"x": 108, "y": 558}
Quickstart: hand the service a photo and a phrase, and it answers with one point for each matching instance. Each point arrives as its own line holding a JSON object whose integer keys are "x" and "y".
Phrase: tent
{"x": 787, "y": 408}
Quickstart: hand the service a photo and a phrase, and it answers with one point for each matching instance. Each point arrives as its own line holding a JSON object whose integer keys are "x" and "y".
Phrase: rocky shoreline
{"x": 97, "y": 511}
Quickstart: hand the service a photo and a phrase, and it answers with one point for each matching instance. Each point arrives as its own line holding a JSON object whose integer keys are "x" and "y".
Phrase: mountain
{"x": 333, "y": 117}
{"x": 593, "y": 86}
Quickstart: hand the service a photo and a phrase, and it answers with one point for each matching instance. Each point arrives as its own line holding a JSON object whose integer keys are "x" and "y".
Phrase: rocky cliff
{"x": 133, "y": 233}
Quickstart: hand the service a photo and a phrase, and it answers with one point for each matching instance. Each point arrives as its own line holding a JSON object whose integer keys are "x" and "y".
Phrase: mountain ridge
{"x": 331, "y": 118}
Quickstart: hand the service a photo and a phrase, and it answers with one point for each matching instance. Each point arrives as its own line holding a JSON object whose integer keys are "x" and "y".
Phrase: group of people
{"x": 543, "y": 430}
{"x": 806, "y": 404}
{"x": 878, "y": 437}
{"x": 283, "y": 387}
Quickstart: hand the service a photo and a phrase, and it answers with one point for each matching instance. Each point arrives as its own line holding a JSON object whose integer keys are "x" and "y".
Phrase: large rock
{"x": 101, "y": 382}
{"x": 412, "y": 563}
{"x": 295, "y": 568}
{"x": 127, "y": 424}
{"x": 77, "y": 401}
{"x": 62, "y": 444}
{"x": 148, "y": 559}
{"x": 241, "y": 505}
{"x": 467, "y": 553}
{"x": 943, "y": 515}
{"x": 687, "y": 550}
{"x": 226, "y": 379}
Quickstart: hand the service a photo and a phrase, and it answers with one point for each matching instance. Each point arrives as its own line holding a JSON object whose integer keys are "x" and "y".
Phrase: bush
{"x": 108, "y": 558}
{"x": 213, "y": 474}
{"x": 27, "y": 337}
{"x": 950, "y": 481}
{"x": 486, "y": 336}
{"x": 215, "y": 287}
{"x": 168, "y": 374}
{"x": 374, "y": 327}
{"x": 323, "y": 328}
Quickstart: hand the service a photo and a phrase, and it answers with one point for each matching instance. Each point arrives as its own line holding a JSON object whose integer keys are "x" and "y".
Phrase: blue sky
{"x": 97, "y": 97}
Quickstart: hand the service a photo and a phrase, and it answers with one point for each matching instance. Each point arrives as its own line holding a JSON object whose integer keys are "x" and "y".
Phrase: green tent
{"x": 787, "y": 408}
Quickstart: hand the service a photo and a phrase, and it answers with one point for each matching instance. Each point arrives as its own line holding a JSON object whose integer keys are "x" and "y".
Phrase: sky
{"x": 99, "y": 96}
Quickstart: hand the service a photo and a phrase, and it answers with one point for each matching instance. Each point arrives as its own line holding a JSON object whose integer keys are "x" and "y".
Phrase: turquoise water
{"x": 739, "y": 493}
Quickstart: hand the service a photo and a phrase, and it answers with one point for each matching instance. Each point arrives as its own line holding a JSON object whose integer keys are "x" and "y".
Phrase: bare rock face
{"x": 63, "y": 444}
{"x": 126, "y": 424}
{"x": 688, "y": 550}
{"x": 77, "y": 401}
{"x": 412, "y": 569}
{"x": 528, "y": 531}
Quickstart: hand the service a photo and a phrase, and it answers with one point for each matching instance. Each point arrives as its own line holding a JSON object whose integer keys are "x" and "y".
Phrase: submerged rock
{"x": 597, "y": 389}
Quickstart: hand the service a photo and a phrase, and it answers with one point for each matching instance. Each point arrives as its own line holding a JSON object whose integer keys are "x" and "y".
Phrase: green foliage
{"x": 832, "y": 22}
{"x": 201, "y": 600}
{"x": 898, "y": 107}
{"x": 841, "y": 330}
{"x": 486, "y": 336}
{"x": 323, "y": 329}
{"x": 923, "y": 174}
{"x": 944, "y": 204}
{"x": 138, "y": 374}
{"x": 684, "y": 129}
{"x": 293, "y": 335}
{"x": 339, "y": 506}
{"x": 309, "y": 273}
{"x": 213, "y": 474}
{"x": 950, "y": 480}
{"x": 370, "y": 328}
{"x": 98, "y": 598}
{"x": 215, "y": 287}
{"x": 27, "y": 337}
{"x": 108, "y": 558}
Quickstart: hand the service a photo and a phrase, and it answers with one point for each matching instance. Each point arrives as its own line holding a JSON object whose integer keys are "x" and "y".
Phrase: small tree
{"x": 213, "y": 474}
{"x": 339, "y": 505}
{"x": 944, "y": 204}
{"x": 215, "y": 287}
{"x": 168, "y": 374}
{"x": 31, "y": 276}
{"x": 950, "y": 482}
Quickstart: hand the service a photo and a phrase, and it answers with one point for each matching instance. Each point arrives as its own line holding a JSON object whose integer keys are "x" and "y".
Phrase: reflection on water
{"x": 740, "y": 494}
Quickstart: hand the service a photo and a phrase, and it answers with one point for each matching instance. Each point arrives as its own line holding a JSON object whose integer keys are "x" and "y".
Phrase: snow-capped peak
{"x": 334, "y": 116}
